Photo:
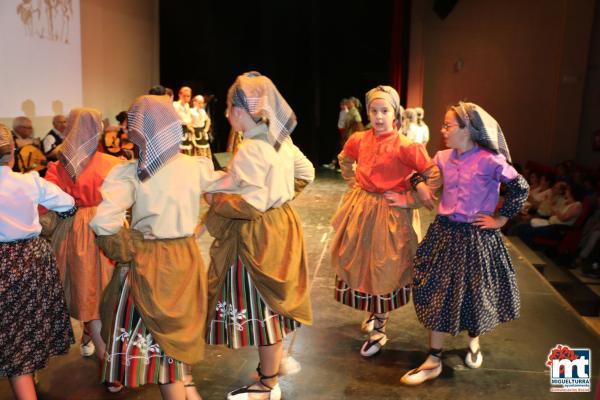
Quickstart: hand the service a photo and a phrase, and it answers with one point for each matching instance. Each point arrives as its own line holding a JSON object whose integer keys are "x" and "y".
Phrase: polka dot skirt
{"x": 464, "y": 279}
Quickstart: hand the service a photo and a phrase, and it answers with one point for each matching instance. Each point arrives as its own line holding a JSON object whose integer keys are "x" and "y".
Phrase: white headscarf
{"x": 83, "y": 132}
{"x": 256, "y": 94}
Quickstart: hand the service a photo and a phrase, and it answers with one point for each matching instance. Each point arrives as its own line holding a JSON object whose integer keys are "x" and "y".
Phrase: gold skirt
{"x": 374, "y": 244}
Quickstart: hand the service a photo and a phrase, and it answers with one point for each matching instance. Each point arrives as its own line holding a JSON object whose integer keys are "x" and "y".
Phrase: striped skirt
{"x": 133, "y": 358}
{"x": 242, "y": 318}
{"x": 370, "y": 302}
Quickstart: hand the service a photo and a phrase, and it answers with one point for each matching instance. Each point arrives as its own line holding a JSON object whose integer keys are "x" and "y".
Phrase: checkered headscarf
{"x": 84, "y": 128}
{"x": 256, "y": 94}
{"x": 7, "y": 145}
{"x": 484, "y": 129}
{"x": 155, "y": 128}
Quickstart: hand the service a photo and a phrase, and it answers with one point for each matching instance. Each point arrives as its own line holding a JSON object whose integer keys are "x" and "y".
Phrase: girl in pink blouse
{"x": 464, "y": 279}
{"x": 375, "y": 243}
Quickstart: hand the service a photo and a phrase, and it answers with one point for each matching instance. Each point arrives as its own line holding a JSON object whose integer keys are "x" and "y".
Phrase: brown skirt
{"x": 84, "y": 269}
{"x": 169, "y": 289}
{"x": 374, "y": 244}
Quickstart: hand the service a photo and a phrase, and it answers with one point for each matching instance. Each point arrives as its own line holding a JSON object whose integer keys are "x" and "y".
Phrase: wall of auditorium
{"x": 120, "y": 52}
{"x": 588, "y": 150}
{"x": 523, "y": 61}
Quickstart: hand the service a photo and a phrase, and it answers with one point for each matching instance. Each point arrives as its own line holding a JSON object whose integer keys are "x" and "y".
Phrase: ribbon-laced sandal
{"x": 419, "y": 375}
{"x": 474, "y": 359}
{"x": 368, "y": 324}
{"x": 253, "y": 391}
{"x": 87, "y": 347}
{"x": 377, "y": 338}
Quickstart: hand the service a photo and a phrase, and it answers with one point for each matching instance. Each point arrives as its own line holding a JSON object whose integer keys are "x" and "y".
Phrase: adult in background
{"x": 29, "y": 155}
{"x": 54, "y": 137}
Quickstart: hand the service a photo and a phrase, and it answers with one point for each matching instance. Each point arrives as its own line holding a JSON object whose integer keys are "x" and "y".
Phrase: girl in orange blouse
{"x": 375, "y": 243}
{"x": 84, "y": 268}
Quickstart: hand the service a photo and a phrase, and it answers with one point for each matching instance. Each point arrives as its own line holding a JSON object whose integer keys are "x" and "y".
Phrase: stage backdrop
{"x": 94, "y": 53}
{"x": 41, "y": 59}
{"x": 316, "y": 55}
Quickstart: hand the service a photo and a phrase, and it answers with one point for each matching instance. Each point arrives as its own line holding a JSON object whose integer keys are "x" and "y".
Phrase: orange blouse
{"x": 387, "y": 161}
{"x": 86, "y": 189}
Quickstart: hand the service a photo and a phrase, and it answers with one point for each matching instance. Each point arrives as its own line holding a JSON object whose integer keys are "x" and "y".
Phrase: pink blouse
{"x": 471, "y": 182}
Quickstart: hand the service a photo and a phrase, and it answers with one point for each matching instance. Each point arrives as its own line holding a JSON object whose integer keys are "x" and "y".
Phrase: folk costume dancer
{"x": 464, "y": 278}
{"x": 84, "y": 269}
{"x": 374, "y": 243}
{"x": 259, "y": 289}
{"x": 157, "y": 313}
{"x": 35, "y": 324}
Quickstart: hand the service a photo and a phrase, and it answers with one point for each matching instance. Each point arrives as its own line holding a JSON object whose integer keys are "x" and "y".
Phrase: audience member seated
{"x": 28, "y": 150}
{"x": 563, "y": 171}
{"x": 588, "y": 247}
{"x": 23, "y": 132}
{"x": 540, "y": 203}
{"x": 54, "y": 138}
{"x": 554, "y": 200}
{"x": 563, "y": 215}
{"x": 540, "y": 191}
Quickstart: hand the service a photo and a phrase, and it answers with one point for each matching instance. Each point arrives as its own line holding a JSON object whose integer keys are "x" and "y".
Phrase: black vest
{"x": 57, "y": 140}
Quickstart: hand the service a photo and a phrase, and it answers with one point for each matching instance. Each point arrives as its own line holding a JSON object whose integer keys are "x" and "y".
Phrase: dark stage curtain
{"x": 400, "y": 47}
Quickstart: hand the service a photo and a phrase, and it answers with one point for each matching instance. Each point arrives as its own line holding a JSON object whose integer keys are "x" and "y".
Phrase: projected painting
{"x": 46, "y": 19}
{"x": 41, "y": 58}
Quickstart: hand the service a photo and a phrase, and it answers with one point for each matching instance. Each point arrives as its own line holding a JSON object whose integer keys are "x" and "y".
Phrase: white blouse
{"x": 418, "y": 133}
{"x": 199, "y": 117}
{"x": 20, "y": 195}
{"x": 184, "y": 112}
{"x": 165, "y": 206}
{"x": 263, "y": 176}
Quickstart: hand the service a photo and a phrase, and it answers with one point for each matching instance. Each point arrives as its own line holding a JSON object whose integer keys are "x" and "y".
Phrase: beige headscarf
{"x": 256, "y": 94}
{"x": 7, "y": 145}
{"x": 391, "y": 95}
{"x": 84, "y": 128}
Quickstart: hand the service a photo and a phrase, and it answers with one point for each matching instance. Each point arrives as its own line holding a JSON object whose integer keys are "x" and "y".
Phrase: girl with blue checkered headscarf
{"x": 162, "y": 298}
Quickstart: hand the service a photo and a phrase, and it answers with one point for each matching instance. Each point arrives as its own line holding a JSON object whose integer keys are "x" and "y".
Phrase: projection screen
{"x": 40, "y": 71}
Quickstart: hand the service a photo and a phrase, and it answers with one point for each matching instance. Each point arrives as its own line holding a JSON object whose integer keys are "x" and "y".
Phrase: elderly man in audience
{"x": 28, "y": 160}
{"x": 23, "y": 132}
{"x": 53, "y": 139}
